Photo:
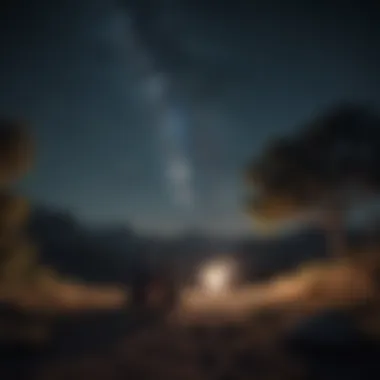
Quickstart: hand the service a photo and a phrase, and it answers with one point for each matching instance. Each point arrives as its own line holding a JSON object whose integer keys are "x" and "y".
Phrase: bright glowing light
{"x": 217, "y": 277}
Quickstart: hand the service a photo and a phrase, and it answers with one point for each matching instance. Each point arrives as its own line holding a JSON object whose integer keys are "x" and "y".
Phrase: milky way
{"x": 172, "y": 127}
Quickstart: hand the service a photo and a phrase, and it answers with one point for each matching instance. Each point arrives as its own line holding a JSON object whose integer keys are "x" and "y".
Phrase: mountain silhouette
{"x": 109, "y": 254}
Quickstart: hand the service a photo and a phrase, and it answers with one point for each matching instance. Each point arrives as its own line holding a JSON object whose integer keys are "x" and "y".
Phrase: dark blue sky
{"x": 100, "y": 82}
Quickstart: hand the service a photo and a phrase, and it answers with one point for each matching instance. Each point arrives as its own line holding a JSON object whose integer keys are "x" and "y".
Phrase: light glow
{"x": 217, "y": 277}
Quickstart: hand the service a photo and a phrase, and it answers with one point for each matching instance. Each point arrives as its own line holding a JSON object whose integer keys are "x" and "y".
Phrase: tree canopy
{"x": 326, "y": 163}
{"x": 16, "y": 150}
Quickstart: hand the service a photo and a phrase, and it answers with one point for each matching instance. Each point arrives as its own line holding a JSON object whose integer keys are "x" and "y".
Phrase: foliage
{"x": 319, "y": 172}
{"x": 325, "y": 165}
{"x": 16, "y": 151}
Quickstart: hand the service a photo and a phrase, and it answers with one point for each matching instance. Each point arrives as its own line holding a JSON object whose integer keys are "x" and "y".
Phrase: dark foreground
{"x": 120, "y": 345}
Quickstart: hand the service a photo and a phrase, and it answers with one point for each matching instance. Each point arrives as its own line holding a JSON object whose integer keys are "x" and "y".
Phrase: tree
{"x": 16, "y": 151}
{"x": 24, "y": 282}
{"x": 321, "y": 170}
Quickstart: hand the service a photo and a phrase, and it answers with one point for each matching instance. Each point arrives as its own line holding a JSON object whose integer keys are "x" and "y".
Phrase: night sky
{"x": 146, "y": 114}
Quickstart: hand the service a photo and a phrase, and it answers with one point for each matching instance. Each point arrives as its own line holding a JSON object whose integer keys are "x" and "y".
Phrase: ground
{"x": 227, "y": 351}
{"x": 257, "y": 345}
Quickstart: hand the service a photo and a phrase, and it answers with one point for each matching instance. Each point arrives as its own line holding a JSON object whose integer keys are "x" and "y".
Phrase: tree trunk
{"x": 335, "y": 230}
